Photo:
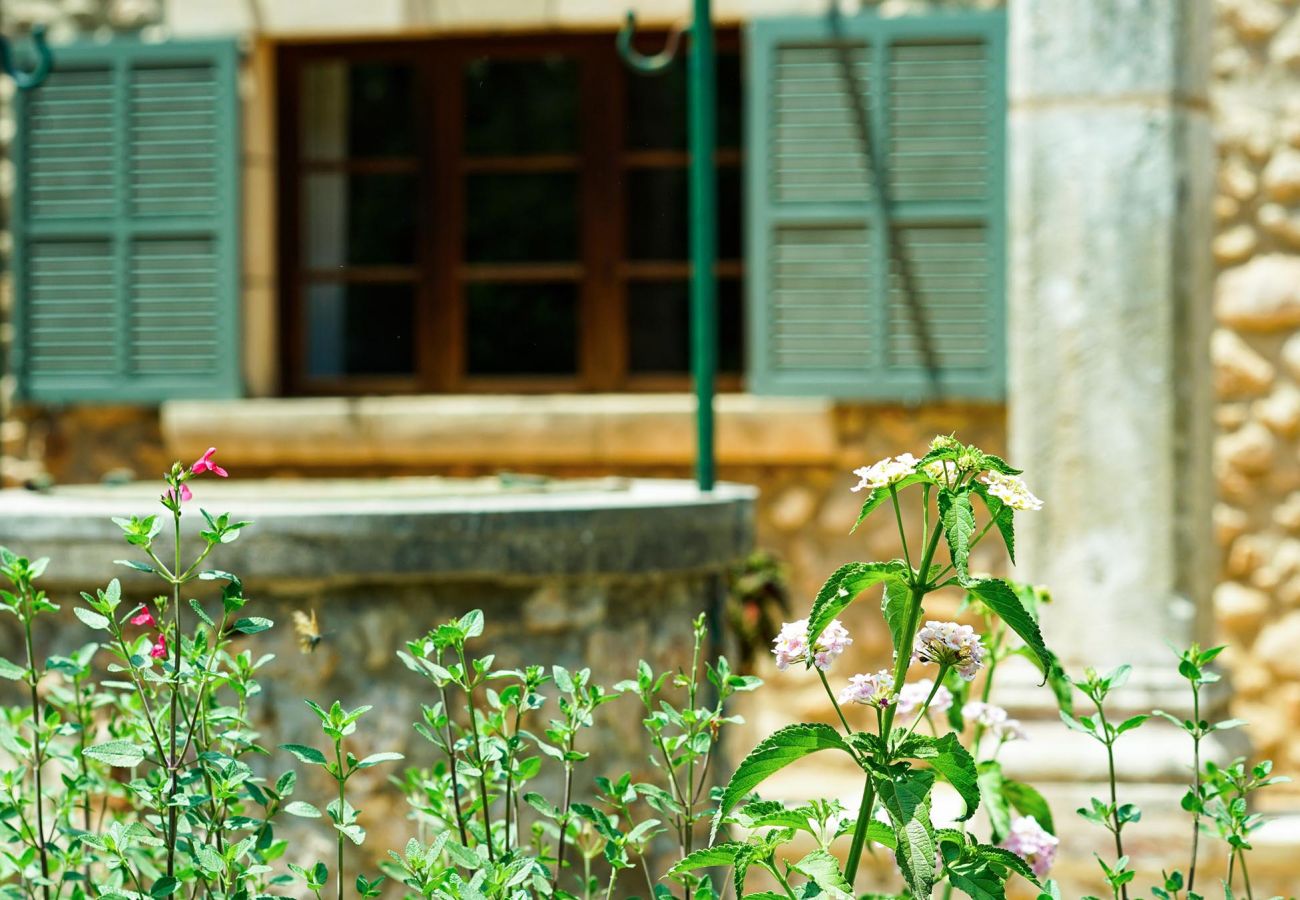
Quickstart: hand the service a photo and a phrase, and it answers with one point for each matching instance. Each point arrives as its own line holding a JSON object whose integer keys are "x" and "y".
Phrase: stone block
{"x": 1239, "y": 370}
{"x": 1262, "y": 295}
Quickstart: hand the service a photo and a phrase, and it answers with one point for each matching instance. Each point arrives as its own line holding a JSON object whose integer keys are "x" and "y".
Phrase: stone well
{"x": 599, "y": 573}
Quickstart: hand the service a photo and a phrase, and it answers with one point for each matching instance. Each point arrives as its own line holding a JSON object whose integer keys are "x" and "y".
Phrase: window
{"x": 505, "y": 214}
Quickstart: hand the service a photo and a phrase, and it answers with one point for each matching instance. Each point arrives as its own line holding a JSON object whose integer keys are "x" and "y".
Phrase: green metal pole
{"x": 704, "y": 236}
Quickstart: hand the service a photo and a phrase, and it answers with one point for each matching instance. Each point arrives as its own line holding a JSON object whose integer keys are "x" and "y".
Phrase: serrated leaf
{"x": 893, "y": 606}
{"x": 996, "y": 806}
{"x": 880, "y": 495}
{"x": 305, "y": 754}
{"x": 121, "y": 754}
{"x": 723, "y": 854}
{"x": 958, "y": 519}
{"x": 198, "y": 611}
{"x": 783, "y": 747}
{"x": 1009, "y": 860}
{"x": 252, "y": 625}
{"x": 90, "y": 618}
{"x": 906, "y": 798}
{"x": 823, "y": 870}
{"x": 999, "y": 597}
{"x": 1003, "y": 518}
{"x": 843, "y": 587}
{"x": 1028, "y": 802}
{"x": 950, "y": 759}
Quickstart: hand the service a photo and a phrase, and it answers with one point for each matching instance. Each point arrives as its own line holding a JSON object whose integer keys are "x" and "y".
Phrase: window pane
{"x": 521, "y": 107}
{"x": 523, "y": 329}
{"x": 658, "y": 214}
{"x": 657, "y": 107}
{"x": 360, "y": 329}
{"x": 659, "y": 327}
{"x": 359, "y": 219}
{"x": 362, "y": 109}
{"x": 530, "y": 217}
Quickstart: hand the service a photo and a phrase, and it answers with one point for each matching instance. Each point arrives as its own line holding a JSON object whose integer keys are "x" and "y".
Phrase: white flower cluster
{"x": 913, "y": 695}
{"x": 1031, "y": 842}
{"x": 870, "y": 690}
{"x": 1011, "y": 490}
{"x": 791, "y": 644}
{"x": 950, "y": 644}
{"x": 941, "y": 470}
{"x": 890, "y": 470}
{"x": 995, "y": 719}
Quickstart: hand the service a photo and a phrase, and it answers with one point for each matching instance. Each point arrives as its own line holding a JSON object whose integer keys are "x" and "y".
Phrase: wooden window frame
{"x": 439, "y": 273}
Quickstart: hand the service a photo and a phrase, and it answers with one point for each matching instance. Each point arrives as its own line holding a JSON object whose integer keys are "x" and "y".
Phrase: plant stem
{"x": 770, "y": 865}
{"x": 451, "y": 765}
{"x": 902, "y": 534}
{"x": 691, "y": 689}
{"x": 848, "y": 729}
{"x": 1196, "y": 783}
{"x": 173, "y": 764}
{"x": 564, "y": 813}
{"x": 38, "y": 756}
{"x": 342, "y": 780}
{"x": 478, "y": 755}
{"x": 900, "y": 674}
{"x": 938, "y": 683}
{"x": 1114, "y": 799}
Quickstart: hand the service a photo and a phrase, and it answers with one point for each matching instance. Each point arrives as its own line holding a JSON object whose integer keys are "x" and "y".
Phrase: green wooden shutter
{"x": 126, "y": 225}
{"x": 875, "y": 235}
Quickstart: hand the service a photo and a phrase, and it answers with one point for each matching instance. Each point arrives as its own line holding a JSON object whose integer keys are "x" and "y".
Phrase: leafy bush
{"x": 134, "y": 771}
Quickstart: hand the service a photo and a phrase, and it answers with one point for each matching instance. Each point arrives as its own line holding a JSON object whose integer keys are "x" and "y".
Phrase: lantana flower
{"x": 1010, "y": 730}
{"x": 144, "y": 618}
{"x": 1011, "y": 490}
{"x": 913, "y": 694}
{"x": 205, "y": 464}
{"x": 159, "y": 648}
{"x": 890, "y": 470}
{"x": 941, "y": 470}
{"x": 1032, "y": 843}
{"x": 791, "y": 644}
{"x": 875, "y": 690}
{"x": 952, "y": 645}
{"x": 986, "y": 714}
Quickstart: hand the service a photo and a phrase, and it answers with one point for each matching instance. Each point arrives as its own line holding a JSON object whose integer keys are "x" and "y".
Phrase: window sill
{"x": 586, "y": 430}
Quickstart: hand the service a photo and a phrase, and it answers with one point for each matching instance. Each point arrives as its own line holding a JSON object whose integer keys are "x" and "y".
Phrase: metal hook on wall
{"x": 27, "y": 81}
{"x": 640, "y": 62}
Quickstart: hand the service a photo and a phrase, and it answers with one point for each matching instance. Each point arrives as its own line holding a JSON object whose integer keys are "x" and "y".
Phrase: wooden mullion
{"x": 603, "y": 319}
{"x": 447, "y": 142}
{"x": 478, "y": 273}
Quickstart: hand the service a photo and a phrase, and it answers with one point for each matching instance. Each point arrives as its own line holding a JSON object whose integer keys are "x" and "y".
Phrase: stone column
{"x": 1111, "y": 173}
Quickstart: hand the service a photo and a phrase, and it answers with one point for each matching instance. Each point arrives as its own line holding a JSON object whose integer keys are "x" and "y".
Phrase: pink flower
{"x": 870, "y": 690}
{"x": 1028, "y": 840}
{"x": 144, "y": 618}
{"x": 792, "y": 644}
{"x": 205, "y": 464}
{"x": 186, "y": 493}
{"x": 159, "y": 649}
{"x": 913, "y": 695}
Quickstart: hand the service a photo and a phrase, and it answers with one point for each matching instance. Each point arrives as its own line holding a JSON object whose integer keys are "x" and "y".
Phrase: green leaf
{"x": 996, "y": 806}
{"x": 880, "y": 495}
{"x": 723, "y": 854}
{"x": 783, "y": 747}
{"x": 950, "y": 759}
{"x": 999, "y": 597}
{"x": 91, "y": 618}
{"x": 163, "y": 887}
{"x": 121, "y": 754}
{"x": 375, "y": 759}
{"x": 1028, "y": 802}
{"x": 302, "y": 810}
{"x": 958, "y": 528}
{"x": 1003, "y": 518}
{"x": 823, "y": 870}
{"x": 905, "y": 795}
{"x": 198, "y": 611}
{"x": 305, "y": 754}
{"x": 11, "y": 671}
{"x": 252, "y": 625}
{"x": 843, "y": 587}
{"x": 893, "y": 606}
{"x": 139, "y": 567}
{"x": 1008, "y": 860}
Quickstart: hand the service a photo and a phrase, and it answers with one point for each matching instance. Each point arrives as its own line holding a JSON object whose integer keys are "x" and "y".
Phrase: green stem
{"x": 173, "y": 764}
{"x": 1245, "y": 875}
{"x": 342, "y": 780}
{"x": 902, "y": 534}
{"x": 1196, "y": 784}
{"x": 1114, "y": 798}
{"x": 848, "y": 729}
{"x": 451, "y": 764}
{"x": 691, "y": 690}
{"x": 564, "y": 813}
{"x": 478, "y": 756}
{"x": 900, "y": 674}
{"x": 770, "y": 865}
{"x": 38, "y": 754}
{"x": 938, "y": 683}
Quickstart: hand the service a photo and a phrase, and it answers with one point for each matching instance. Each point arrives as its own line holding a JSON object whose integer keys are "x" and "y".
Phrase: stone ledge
{"x": 499, "y": 430}
{"x": 396, "y": 529}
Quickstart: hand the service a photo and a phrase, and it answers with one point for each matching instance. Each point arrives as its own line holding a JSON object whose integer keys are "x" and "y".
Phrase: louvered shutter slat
{"x": 860, "y": 289}
{"x": 127, "y": 246}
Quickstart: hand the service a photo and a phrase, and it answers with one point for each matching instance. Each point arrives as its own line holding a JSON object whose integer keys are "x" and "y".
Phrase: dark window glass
{"x": 359, "y": 219}
{"x": 525, "y": 217}
{"x": 659, "y": 327}
{"x": 657, "y": 107}
{"x": 658, "y": 214}
{"x": 359, "y": 329}
{"x": 521, "y": 107}
{"x": 360, "y": 109}
{"x": 523, "y": 329}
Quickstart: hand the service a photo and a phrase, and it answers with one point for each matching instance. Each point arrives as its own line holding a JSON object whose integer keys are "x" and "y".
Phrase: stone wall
{"x": 1255, "y": 98}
